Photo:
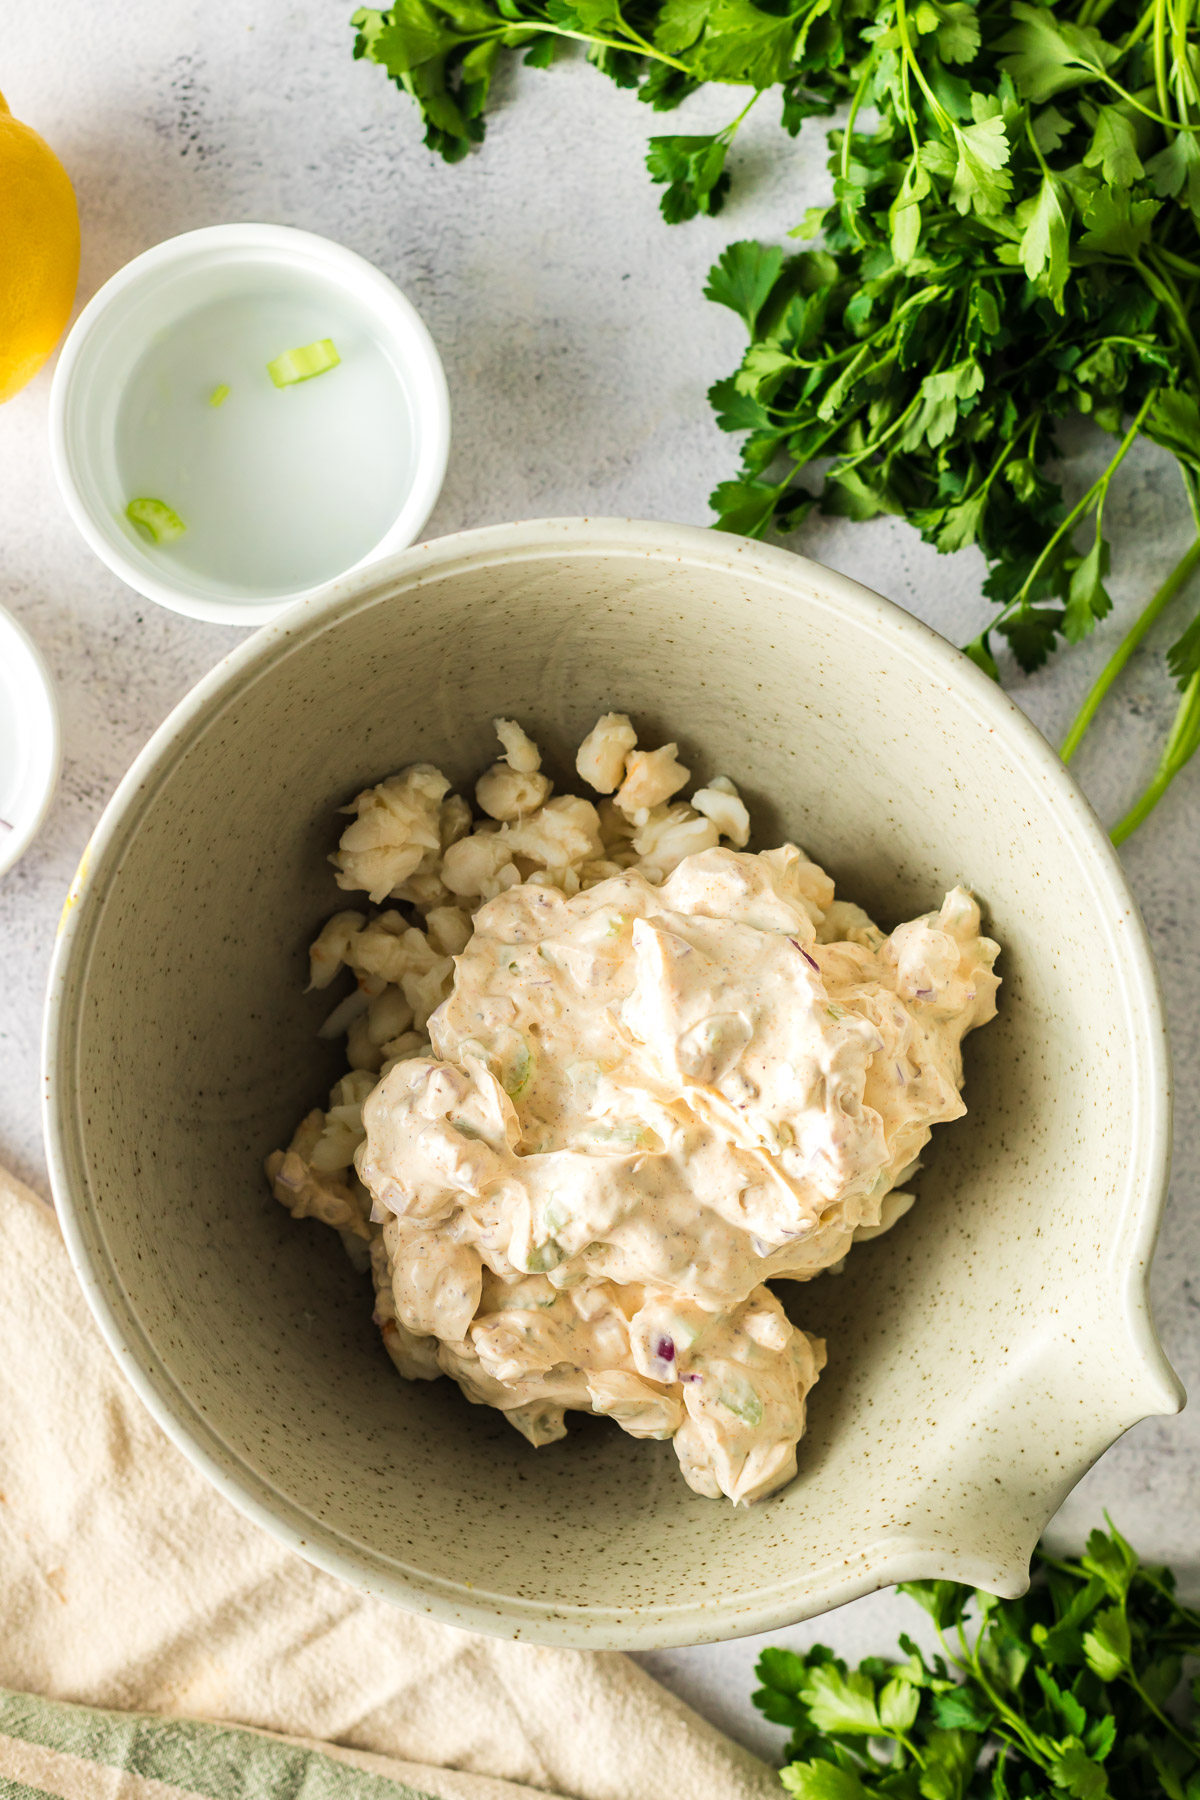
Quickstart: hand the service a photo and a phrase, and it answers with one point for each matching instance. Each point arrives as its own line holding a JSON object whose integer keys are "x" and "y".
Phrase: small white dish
{"x": 162, "y": 392}
{"x": 30, "y": 746}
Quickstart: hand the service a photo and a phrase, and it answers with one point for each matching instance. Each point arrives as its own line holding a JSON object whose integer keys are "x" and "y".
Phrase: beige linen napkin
{"x": 127, "y": 1583}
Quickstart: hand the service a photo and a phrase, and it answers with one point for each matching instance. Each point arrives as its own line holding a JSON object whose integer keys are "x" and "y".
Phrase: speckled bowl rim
{"x": 811, "y": 1590}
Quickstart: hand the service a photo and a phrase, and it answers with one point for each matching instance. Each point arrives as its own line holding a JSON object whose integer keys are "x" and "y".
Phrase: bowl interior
{"x": 979, "y": 1357}
{"x": 166, "y": 395}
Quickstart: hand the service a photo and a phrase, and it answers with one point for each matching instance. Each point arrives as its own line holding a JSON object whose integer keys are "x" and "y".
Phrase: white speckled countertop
{"x": 578, "y": 348}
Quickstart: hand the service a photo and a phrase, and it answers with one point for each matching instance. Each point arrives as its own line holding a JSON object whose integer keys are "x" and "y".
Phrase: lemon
{"x": 39, "y": 260}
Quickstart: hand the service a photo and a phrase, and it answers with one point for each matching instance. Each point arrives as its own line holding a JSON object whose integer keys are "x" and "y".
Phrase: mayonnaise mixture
{"x": 619, "y": 1077}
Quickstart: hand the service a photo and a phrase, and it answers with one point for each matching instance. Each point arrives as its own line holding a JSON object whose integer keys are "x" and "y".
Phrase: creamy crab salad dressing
{"x": 612, "y": 1074}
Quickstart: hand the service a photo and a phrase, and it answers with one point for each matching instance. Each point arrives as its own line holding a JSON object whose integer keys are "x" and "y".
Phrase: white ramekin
{"x": 146, "y": 295}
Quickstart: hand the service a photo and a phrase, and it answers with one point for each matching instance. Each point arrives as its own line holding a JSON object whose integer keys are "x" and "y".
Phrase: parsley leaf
{"x": 1031, "y": 632}
{"x": 680, "y": 23}
{"x": 1088, "y": 601}
{"x": 1111, "y": 1560}
{"x": 1116, "y": 224}
{"x": 694, "y": 169}
{"x": 1175, "y": 170}
{"x": 1113, "y": 149}
{"x": 961, "y": 1708}
{"x": 745, "y": 506}
{"x": 1107, "y": 1645}
{"x": 838, "y": 1702}
{"x": 822, "y": 1781}
{"x": 944, "y": 1601}
{"x": 980, "y": 181}
{"x": 1075, "y": 1772}
{"x": 957, "y": 32}
{"x": 989, "y": 1716}
{"x": 744, "y": 43}
{"x": 1013, "y": 237}
{"x": 1047, "y": 54}
{"x": 1183, "y": 658}
{"x": 1045, "y": 238}
{"x": 743, "y": 277}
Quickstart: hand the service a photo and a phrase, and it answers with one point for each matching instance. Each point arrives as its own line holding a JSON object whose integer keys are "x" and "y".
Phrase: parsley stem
{"x": 731, "y": 128}
{"x": 935, "y": 106}
{"x": 1036, "y": 148}
{"x": 847, "y": 136}
{"x": 647, "y": 49}
{"x": 1160, "y": 57}
{"x": 1186, "y": 719}
{"x": 1157, "y": 791}
{"x": 1079, "y": 511}
{"x": 1160, "y": 118}
{"x": 633, "y": 46}
{"x": 908, "y": 109}
{"x": 1189, "y": 1617}
{"x": 1000, "y": 461}
{"x": 922, "y": 298}
{"x": 1023, "y": 1736}
{"x": 1182, "y": 60}
{"x": 902, "y": 1737}
{"x": 877, "y": 443}
{"x": 1117, "y": 661}
{"x": 1164, "y": 289}
{"x": 638, "y": 48}
{"x": 1180, "y": 747}
{"x": 1189, "y": 488}
{"x": 1139, "y": 31}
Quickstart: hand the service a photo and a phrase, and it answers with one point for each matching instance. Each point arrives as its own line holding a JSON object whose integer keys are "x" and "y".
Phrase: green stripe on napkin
{"x": 212, "y": 1762}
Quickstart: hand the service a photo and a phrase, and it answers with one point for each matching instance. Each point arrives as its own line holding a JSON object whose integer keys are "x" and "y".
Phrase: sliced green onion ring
{"x": 219, "y": 395}
{"x": 155, "y": 519}
{"x": 303, "y": 364}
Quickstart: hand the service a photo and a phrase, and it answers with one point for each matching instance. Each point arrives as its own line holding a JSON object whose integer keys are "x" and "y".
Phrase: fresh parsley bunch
{"x": 1074, "y": 1690}
{"x": 1013, "y": 239}
{"x": 443, "y": 53}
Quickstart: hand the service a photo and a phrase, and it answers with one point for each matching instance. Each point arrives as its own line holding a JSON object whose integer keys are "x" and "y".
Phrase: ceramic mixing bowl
{"x": 981, "y": 1356}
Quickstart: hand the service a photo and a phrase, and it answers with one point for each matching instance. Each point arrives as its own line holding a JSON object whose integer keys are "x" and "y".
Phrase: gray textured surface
{"x": 578, "y": 348}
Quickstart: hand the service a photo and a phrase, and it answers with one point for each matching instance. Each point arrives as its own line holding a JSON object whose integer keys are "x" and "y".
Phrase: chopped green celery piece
{"x": 219, "y": 395}
{"x": 304, "y": 363}
{"x": 544, "y": 1257}
{"x": 518, "y": 1072}
{"x": 682, "y": 1333}
{"x": 155, "y": 519}
{"x": 743, "y": 1402}
{"x": 554, "y": 1216}
{"x": 630, "y": 1135}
